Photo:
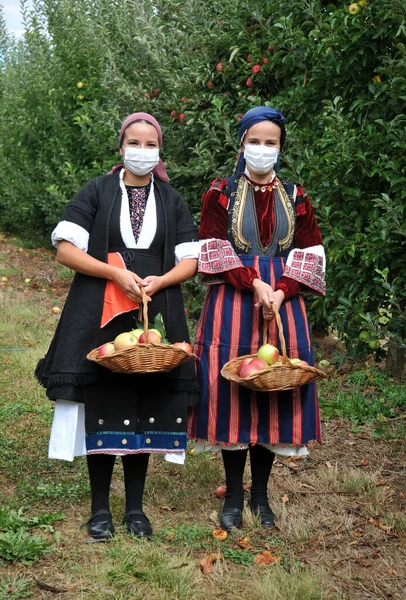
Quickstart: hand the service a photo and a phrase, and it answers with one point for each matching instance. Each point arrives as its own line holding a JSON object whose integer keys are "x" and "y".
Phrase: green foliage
{"x": 16, "y": 541}
{"x": 241, "y": 557}
{"x": 338, "y": 78}
{"x": 14, "y": 588}
{"x": 365, "y": 397}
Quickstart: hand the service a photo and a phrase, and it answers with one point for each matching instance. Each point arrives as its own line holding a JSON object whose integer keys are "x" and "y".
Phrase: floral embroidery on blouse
{"x": 137, "y": 198}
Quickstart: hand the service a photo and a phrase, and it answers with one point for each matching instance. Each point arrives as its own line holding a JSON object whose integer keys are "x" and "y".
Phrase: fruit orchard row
{"x": 335, "y": 69}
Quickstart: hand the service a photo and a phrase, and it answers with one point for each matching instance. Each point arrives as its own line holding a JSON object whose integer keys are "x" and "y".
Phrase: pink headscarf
{"x": 159, "y": 171}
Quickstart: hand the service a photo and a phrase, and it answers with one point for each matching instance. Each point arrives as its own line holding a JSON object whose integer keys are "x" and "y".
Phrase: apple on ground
{"x": 106, "y": 349}
{"x": 125, "y": 340}
{"x": 269, "y": 353}
{"x": 56, "y": 310}
{"x": 183, "y": 346}
{"x": 153, "y": 337}
{"x": 253, "y": 367}
{"x": 221, "y": 491}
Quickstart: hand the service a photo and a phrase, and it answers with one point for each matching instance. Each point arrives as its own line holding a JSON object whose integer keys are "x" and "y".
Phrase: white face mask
{"x": 141, "y": 161}
{"x": 260, "y": 159}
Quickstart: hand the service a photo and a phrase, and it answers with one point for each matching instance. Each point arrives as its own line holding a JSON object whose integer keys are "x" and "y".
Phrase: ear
{"x": 121, "y": 151}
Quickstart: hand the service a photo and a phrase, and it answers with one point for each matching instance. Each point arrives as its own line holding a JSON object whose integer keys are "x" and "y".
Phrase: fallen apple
{"x": 125, "y": 340}
{"x": 4, "y": 279}
{"x": 56, "y": 310}
{"x": 106, "y": 349}
{"x": 221, "y": 491}
{"x": 153, "y": 337}
{"x": 269, "y": 353}
{"x": 324, "y": 363}
{"x": 183, "y": 346}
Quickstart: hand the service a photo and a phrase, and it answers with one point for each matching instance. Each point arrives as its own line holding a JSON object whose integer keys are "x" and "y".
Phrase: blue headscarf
{"x": 254, "y": 116}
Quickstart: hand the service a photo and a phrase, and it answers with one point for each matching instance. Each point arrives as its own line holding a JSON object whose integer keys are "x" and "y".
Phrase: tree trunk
{"x": 396, "y": 362}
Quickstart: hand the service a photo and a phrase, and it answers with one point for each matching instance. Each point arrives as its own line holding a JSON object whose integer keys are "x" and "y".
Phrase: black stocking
{"x": 100, "y": 467}
{"x": 234, "y": 465}
{"x": 261, "y": 464}
{"x": 135, "y": 471}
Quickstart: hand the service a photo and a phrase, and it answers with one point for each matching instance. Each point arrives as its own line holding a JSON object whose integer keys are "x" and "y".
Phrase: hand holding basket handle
{"x": 282, "y": 375}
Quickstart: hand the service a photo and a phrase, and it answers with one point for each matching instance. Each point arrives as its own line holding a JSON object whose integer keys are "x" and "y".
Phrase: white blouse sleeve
{"x": 70, "y": 232}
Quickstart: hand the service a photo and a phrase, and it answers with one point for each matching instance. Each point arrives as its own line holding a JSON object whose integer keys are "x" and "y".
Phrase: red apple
{"x": 253, "y": 368}
{"x": 249, "y": 58}
{"x": 246, "y": 361}
{"x": 258, "y": 363}
{"x": 137, "y": 333}
{"x": 269, "y": 353}
{"x": 221, "y": 491}
{"x": 181, "y": 117}
{"x": 256, "y": 69}
{"x": 183, "y": 346}
{"x": 264, "y": 60}
{"x": 185, "y": 99}
{"x": 125, "y": 340}
{"x": 174, "y": 114}
{"x": 219, "y": 66}
{"x": 106, "y": 349}
{"x": 155, "y": 92}
{"x": 147, "y": 95}
{"x": 209, "y": 84}
{"x": 249, "y": 83}
{"x": 299, "y": 362}
{"x": 154, "y": 337}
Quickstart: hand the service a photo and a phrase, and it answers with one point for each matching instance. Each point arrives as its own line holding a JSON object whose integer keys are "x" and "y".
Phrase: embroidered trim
{"x": 290, "y": 213}
{"x": 217, "y": 256}
{"x": 237, "y": 216}
{"x": 307, "y": 268}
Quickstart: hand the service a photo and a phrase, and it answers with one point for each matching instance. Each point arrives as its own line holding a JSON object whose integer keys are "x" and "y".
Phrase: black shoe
{"x": 230, "y": 518}
{"x": 137, "y": 524}
{"x": 265, "y": 514}
{"x": 100, "y": 529}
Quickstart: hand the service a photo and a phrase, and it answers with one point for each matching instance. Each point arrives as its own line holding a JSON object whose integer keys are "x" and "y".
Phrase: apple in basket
{"x": 106, "y": 349}
{"x": 125, "y": 340}
{"x": 137, "y": 333}
{"x": 183, "y": 346}
{"x": 153, "y": 337}
{"x": 269, "y": 353}
{"x": 299, "y": 362}
{"x": 253, "y": 367}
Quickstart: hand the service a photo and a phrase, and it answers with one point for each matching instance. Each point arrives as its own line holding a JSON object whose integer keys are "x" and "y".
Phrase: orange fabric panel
{"x": 115, "y": 300}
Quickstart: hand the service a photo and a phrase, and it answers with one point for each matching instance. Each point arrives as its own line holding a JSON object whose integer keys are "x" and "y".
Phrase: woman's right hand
{"x": 130, "y": 284}
{"x": 264, "y": 293}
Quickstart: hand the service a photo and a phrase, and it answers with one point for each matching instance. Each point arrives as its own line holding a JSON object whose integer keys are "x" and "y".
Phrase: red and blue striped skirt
{"x": 230, "y": 325}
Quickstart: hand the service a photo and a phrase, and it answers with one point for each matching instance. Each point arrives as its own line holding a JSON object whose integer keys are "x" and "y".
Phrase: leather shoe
{"x": 230, "y": 518}
{"x": 137, "y": 524}
{"x": 100, "y": 529}
{"x": 265, "y": 514}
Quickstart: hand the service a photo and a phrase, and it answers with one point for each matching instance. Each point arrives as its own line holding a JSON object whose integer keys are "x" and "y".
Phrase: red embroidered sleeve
{"x": 213, "y": 224}
{"x": 307, "y": 234}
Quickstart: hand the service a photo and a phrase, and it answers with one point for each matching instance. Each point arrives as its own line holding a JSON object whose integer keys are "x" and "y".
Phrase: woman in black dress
{"x": 122, "y": 231}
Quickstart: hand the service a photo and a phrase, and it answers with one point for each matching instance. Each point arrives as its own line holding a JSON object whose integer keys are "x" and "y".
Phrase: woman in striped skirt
{"x": 262, "y": 249}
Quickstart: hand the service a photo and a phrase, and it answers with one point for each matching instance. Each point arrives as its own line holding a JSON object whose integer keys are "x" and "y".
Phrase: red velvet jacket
{"x": 213, "y": 224}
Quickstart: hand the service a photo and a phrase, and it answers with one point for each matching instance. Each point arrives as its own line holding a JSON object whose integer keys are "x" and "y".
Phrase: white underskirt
{"x": 281, "y": 449}
{"x": 68, "y": 438}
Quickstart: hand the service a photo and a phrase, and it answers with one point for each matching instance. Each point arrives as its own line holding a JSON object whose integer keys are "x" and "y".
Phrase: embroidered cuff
{"x": 216, "y": 257}
{"x": 307, "y": 266}
{"x": 70, "y": 232}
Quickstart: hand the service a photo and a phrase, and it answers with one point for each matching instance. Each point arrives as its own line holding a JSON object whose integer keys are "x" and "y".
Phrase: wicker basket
{"x": 143, "y": 358}
{"x": 284, "y": 375}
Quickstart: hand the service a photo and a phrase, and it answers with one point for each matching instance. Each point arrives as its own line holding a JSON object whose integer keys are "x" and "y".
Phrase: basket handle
{"x": 280, "y": 331}
{"x": 143, "y": 311}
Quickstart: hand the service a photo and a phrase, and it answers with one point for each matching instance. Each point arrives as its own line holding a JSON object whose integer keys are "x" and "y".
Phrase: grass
{"x": 324, "y": 504}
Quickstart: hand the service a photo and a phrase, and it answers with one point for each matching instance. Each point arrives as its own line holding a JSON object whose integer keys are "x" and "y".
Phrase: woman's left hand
{"x": 277, "y": 298}
{"x": 152, "y": 284}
